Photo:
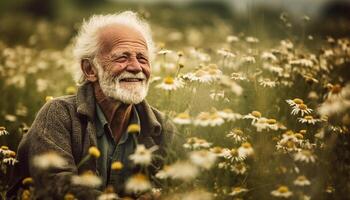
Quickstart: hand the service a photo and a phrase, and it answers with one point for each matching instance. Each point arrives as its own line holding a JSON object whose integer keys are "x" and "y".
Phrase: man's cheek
{"x": 147, "y": 71}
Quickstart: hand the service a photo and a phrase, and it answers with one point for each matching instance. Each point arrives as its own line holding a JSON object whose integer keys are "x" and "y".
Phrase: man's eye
{"x": 143, "y": 60}
{"x": 121, "y": 59}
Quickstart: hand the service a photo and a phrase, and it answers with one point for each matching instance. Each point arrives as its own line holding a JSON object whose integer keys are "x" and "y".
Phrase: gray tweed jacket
{"x": 66, "y": 126}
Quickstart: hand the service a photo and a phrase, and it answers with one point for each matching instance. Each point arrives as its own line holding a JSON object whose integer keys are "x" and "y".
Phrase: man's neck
{"x": 108, "y": 105}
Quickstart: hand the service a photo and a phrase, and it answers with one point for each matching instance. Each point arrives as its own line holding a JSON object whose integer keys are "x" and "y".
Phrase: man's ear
{"x": 89, "y": 71}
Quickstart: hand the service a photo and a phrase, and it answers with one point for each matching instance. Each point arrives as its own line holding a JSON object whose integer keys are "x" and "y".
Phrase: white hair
{"x": 87, "y": 44}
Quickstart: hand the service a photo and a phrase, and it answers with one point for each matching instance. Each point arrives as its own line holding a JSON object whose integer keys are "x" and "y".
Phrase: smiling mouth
{"x": 131, "y": 80}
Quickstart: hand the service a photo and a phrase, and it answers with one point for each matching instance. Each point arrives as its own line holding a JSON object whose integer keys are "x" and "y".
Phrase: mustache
{"x": 109, "y": 77}
{"x": 125, "y": 74}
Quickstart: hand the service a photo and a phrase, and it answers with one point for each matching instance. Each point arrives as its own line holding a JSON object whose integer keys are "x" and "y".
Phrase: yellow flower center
{"x": 217, "y": 149}
{"x": 289, "y": 132}
{"x": 200, "y": 73}
{"x": 168, "y": 80}
{"x": 290, "y": 144}
{"x": 4, "y": 147}
{"x": 271, "y": 121}
{"x": 246, "y": 145}
{"x": 204, "y": 116}
{"x": 227, "y": 110}
{"x": 183, "y": 116}
{"x": 302, "y": 106}
{"x": 238, "y": 132}
{"x": 307, "y": 153}
{"x": 233, "y": 152}
{"x": 212, "y": 66}
{"x": 140, "y": 177}
{"x": 93, "y": 151}
{"x": 336, "y": 89}
{"x": 298, "y": 101}
{"x": 298, "y": 135}
{"x": 69, "y": 196}
{"x": 117, "y": 165}
{"x": 12, "y": 154}
{"x": 283, "y": 189}
{"x": 308, "y": 117}
{"x": 191, "y": 140}
{"x": 214, "y": 116}
{"x": 48, "y": 98}
{"x": 256, "y": 114}
{"x": 213, "y": 71}
{"x": 133, "y": 128}
{"x": 27, "y": 181}
{"x": 301, "y": 178}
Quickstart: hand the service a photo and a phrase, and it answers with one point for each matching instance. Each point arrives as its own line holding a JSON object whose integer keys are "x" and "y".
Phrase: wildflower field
{"x": 260, "y": 114}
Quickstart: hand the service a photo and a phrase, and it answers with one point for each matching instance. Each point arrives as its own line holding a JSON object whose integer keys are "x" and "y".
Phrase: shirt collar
{"x": 102, "y": 121}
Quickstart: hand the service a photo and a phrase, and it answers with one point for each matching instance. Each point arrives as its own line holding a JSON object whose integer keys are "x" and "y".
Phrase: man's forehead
{"x": 120, "y": 35}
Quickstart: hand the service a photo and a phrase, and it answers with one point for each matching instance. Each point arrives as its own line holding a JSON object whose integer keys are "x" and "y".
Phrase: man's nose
{"x": 134, "y": 66}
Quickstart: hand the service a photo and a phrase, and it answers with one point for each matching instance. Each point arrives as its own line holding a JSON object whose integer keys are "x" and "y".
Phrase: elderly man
{"x": 115, "y": 53}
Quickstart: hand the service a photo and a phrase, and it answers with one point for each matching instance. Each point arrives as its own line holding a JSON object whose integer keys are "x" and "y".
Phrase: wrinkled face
{"x": 123, "y": 64}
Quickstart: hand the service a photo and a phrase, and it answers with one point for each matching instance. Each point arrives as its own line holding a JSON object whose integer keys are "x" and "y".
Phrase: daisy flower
{"x": 3, "y": 131}
{"x": 302, "y": 108}
{"x": 87, "y": 179}
{"x": 238, "y": 76}
{"x": 305, "y": 156}
{"x": 237, "y": 190}
{"x": 226, "y": 53}
{"x": 239, "y": 168}
{"x": 200, "y": 76}
{"x": 138, "y": 183}
{"x": 254, "y": 116}
{"x": 142, "y": 155}
{"x": 282, "y": 191}
{"x": 10, "y": 161}
{"x": 203, "y": 158}
{"x": 268, "y": 56}
{"x": 6, "y": 152}
{"x": 169, "y": 83}
{"x": 237, "y": 135}
{"x": 232, "y": 38}
{"x": 217, "y": 95}
{"x": 267, "y": 83}
{"x": 294, "y": 102}
{"x": 182, "y": 119}
{"x": 245, "y": 150}
{"x": 108, "y": 196}
{"x": 229, "y": 115}
{"x": 182, "y": 170}
{"x": 196, "y": 143}
{"x": 251, "y": 39}
{"x": 215, "y": 119}
{"x": 308, "y": 119}
{"x": 164, "y": 51}
{"x": 248, "y": 59}
{"x": 234, "y": 156}
{"x": 163, "y": 173}
{"x": 48, "y": 160}
{"x": 203, "y": 119}
{"x": 220, "y": 152}
{"x": 301, "y": 181}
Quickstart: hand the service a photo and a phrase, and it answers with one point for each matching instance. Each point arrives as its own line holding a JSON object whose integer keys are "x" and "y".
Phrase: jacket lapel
{"x": 86, "y": 111}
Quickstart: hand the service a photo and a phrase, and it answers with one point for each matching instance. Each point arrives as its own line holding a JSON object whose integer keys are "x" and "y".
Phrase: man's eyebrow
{"x": 117, "y": 54}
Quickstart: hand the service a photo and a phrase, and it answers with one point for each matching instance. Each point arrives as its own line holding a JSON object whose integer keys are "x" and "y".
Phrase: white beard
{"x": 126, "y": 92}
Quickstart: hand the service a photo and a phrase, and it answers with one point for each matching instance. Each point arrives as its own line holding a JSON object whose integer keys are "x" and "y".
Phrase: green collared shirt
{"x": 112, "y": 152}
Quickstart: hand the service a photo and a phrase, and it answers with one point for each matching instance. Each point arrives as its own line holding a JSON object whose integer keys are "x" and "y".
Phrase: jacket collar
{"x": 86, "y": 105}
